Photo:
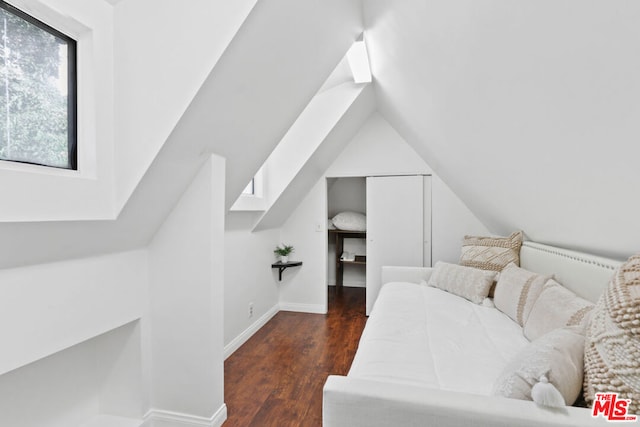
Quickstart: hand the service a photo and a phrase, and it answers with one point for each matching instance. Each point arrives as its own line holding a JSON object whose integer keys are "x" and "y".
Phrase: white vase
{"x": 284, "y": 259}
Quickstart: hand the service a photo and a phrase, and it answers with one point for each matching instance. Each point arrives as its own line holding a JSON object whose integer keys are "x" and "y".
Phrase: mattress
{"x": 424, "y": 336}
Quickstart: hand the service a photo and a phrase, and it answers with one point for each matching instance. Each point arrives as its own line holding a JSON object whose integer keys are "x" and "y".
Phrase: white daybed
{"x": 392, "y": 381}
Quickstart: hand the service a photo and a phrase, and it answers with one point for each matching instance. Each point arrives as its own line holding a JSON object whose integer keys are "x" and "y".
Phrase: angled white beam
{"x": 359, "y": 62}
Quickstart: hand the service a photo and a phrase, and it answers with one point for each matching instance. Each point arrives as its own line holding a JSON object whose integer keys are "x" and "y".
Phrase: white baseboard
{"x": 244, "y": 336}
{"x": 178, "y": 419}
{"x": 304, "y": 308}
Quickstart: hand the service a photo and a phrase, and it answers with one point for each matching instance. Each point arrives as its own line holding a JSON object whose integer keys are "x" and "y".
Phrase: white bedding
{"x": 420, "y": 335}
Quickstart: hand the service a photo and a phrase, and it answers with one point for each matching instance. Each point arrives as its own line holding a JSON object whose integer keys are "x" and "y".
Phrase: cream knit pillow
{"x": 470, "y": 283}
{"x": 491, "y": 253}
{"x": 612, "y": 346}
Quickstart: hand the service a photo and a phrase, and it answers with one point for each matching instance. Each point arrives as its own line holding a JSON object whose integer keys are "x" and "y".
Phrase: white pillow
{"x": 467, "y": 282}
{"x": 557, "y": 355}
{"x": 556, "y": 307}
{"x": 350, "y": 221}
{"x": 516, "y": 292}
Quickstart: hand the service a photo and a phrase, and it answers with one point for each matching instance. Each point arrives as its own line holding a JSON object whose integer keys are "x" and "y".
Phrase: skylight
{"x": 359, "y": 62}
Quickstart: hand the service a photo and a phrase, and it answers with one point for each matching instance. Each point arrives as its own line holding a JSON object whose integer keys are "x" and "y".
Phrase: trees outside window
{"x": 37, "y": 92}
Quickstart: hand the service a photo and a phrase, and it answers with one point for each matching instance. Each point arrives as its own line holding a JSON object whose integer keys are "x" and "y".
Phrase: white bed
{"x": 436, "y": 353}
{"x": 425, "y": 376}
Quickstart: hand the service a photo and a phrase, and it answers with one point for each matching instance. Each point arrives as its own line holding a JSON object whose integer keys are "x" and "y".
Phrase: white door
{"x": 398, "y": 231}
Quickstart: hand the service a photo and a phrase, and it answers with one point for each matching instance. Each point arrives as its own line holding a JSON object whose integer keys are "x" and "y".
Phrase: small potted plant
{"x": 283, "y": 252}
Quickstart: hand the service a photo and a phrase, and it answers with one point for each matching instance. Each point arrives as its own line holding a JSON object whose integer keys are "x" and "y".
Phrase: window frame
{"x": 72, "y": 89}
{"x": 251, "y": 184}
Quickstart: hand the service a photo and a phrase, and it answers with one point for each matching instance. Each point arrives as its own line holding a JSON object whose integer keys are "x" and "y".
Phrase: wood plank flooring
{"x": 276, "y": 378}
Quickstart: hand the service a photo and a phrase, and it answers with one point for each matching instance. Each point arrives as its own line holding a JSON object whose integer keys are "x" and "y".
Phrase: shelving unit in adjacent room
{"x": 339, "y": 236}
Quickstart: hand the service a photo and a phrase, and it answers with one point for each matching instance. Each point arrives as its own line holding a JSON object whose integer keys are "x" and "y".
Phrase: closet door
{"x": 396, "y": 220}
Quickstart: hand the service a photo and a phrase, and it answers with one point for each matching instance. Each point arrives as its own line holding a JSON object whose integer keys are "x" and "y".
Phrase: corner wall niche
{"x": 348, "y": 194}
{"x": 94, "y": 382}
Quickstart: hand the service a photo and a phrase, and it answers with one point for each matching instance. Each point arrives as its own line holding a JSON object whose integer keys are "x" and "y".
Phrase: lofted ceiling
{"x": 530, "y": 111}
{"x": 268, "y": 73}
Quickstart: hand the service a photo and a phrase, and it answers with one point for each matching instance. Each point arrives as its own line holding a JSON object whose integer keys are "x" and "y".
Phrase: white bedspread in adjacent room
{"x": 425, "y": 336}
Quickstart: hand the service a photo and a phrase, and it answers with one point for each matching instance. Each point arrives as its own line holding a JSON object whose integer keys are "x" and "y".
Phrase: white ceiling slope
{"x": 306, "y": 135}
{"x": 343, "y": 129}
{"x": 530, "y": 111}
{"x": 269, "y": 72}
{"x": 272, "y": 69}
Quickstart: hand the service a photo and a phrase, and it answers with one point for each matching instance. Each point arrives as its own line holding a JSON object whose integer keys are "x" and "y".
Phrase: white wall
{"x": 49, "y": 307}
{"x": 186, "y": 262}
{"x": 71, "y": 347}
{"x": 71, "y": 387}
{"x": 248, "y": 278}
{"x": 377, "y": 149}
{"x": 451, "y": 221}
{"x": 164, "y": 53}
{"x": 304, "y": 288}
{"x": 346, "y": 194}
{"x": 528, "y": 111}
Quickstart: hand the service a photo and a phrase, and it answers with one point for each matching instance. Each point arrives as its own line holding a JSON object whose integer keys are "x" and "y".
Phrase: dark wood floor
{"x": 276, "y": 378}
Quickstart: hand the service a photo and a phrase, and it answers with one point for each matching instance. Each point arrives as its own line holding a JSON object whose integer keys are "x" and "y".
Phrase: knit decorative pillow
{"x": 612, "y": 345}
{"x": 491, "y": 253}
{"x": 466, "y": 282}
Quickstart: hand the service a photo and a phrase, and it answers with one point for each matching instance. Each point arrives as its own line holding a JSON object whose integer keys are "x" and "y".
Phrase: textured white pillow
{"x": 350, "y": 221}
{"x": 557, "y": 355}
{"x": 612, "y": 348}
{"x": 516, "y": 292}
{"x": 556, "y": 307}
{"x": 467, "y": 282}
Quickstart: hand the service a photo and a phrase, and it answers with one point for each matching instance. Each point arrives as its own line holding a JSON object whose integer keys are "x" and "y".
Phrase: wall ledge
{"x": 179, "y": 419}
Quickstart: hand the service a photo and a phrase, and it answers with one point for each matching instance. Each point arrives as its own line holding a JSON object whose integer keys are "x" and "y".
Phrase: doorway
{"x": 346, "y": 258}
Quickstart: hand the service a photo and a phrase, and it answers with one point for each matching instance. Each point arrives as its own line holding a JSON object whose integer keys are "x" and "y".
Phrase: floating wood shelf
{"x": 359, "y": 260}
{"x": 282, "y": 266}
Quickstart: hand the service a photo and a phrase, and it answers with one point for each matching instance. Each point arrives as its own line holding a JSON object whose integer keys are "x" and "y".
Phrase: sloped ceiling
{"x": 530, "y": 111}
{"x": 343, "y": 130}
{"x": 271, "y": 69}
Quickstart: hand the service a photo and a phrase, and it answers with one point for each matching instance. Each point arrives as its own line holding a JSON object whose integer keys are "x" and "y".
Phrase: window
{"x": 37, "y": 92}
{"x": 253, "y": 195}
{"x": 250, "y": 189}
